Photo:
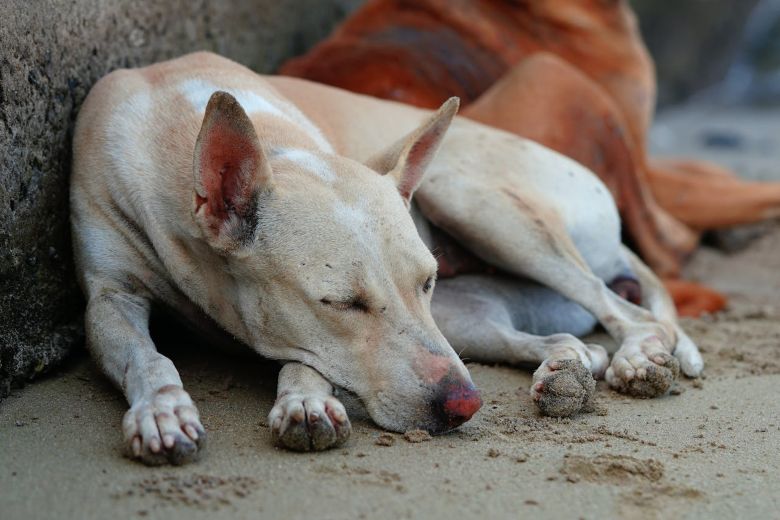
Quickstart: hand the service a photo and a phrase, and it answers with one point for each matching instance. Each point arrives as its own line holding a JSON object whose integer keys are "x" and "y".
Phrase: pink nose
{"x": 460, "y": 403}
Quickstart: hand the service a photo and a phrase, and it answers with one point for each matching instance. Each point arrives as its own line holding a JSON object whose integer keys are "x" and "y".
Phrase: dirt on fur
{"x": 658, "y": 381}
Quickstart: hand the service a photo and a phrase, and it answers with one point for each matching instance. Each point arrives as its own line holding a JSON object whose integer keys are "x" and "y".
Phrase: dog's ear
{"x": 407, "y": 160}
{"x": 231, "y": 172}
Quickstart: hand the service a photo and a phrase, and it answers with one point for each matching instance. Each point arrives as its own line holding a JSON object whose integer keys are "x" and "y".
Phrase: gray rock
{"x": 51, "y": 52}
{"x": 693, "y": 43}
{"x": 754, "y": 76}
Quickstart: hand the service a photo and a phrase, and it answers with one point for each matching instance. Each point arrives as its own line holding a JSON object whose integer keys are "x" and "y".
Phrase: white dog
{"x": 265, "y": 207}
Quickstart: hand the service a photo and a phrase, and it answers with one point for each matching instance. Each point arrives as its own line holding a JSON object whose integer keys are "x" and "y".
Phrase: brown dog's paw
{"x": 164, "y": 428}
{"x": 309, "y": 423}
{"x": 563, "y": 387}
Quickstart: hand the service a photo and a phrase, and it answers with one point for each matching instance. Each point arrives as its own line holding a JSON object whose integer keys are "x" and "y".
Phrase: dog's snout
{"x": 457, "y": 403}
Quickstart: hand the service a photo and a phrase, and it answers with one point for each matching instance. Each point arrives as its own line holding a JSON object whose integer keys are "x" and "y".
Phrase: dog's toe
{"x": 184, "y": 450}
{"x": 312, "y": 423}
{"x": 293, "y": 434}
{"x": 563, "y": 387}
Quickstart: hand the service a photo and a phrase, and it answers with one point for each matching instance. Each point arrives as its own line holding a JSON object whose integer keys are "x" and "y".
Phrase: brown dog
{"x": 573, "y": 75}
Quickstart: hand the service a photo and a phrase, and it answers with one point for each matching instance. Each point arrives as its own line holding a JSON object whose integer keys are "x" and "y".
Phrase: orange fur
{"x": 692, "y": 299}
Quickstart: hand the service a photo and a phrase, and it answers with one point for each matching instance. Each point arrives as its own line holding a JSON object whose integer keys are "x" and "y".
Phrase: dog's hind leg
{"x": 306, "y": 416}
{"x": 515, "y": 229}
{"x": 657, "y": 301}
{"x": 482, "y": 318}
{"x": 549, "y": 100}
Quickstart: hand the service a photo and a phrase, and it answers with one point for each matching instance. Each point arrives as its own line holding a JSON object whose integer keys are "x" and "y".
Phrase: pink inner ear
{"x": 228, "y": 163}
{"x": 416, "y": 162}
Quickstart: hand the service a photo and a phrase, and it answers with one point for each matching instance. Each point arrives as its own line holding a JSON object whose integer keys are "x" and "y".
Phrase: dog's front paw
{"x": 647, "y": 371}
{"x": 309, "y": 422}
{"x": 563, "y": 384}
{"x": 563, "y": 387}
{"x": 164, "y": 428}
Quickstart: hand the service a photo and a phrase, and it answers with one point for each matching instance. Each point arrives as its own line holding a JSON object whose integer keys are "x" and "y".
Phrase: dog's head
{"x": 326, "y": 265}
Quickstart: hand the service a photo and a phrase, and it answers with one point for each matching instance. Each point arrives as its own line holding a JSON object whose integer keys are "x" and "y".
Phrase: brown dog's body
{"x": 573, "y": 75}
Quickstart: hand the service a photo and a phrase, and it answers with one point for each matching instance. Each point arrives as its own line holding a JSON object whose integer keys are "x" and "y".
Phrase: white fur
{"x": 126, "y": 118}
{"x": 308, "y": 161}
{"x": 198, "y": 91}
{"x": 138, "y": 239}
{"x": 357, "y": 219}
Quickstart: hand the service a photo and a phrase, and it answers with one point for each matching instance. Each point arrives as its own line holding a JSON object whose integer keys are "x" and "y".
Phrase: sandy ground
{"x": 707, "y": 450}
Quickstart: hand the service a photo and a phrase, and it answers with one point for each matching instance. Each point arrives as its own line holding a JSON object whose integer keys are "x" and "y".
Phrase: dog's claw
{"x": 136, "y": 446}
{"x": 155, "y": 431}
{"x": 309, "y": 423}
{"x": 191, "y": 432}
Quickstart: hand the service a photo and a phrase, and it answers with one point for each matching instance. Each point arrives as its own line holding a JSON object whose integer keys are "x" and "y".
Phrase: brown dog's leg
{"x": 707, "y": 196}
{"x": 547, "y": 100}
{"x": 692, "y": 299}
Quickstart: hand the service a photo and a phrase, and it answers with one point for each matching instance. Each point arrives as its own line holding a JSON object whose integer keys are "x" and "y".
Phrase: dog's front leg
{"x": 306, "y": 416}
{"x": 482, "y": 317}
{"x": 162, "y": 424}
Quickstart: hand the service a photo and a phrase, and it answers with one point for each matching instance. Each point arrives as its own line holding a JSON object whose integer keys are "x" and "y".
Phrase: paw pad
{"x": 568, "y": 390}
{"x": 658, "y": 378}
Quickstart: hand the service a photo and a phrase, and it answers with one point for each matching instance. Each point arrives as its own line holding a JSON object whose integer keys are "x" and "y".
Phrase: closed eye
{"x": 352, "y": 304}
